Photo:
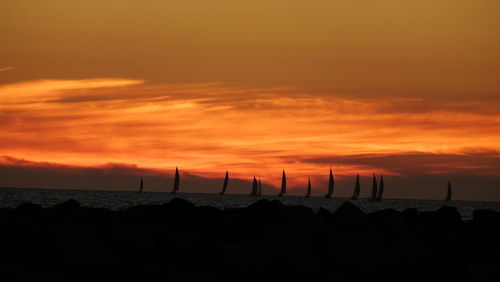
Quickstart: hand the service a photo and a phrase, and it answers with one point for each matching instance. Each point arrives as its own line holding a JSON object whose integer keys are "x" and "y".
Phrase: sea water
{"x": 118, "y": 200}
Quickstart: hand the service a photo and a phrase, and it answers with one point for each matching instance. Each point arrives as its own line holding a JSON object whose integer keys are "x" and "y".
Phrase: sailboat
{"x": 141, "y": 186}
{"x": 357, "y": 189}
{"x": 380, "y": 188}
{"x": 176, "y": 182}
{"x": 308, "y": 194}
{"x": 226, "y": 182}
{"x": 254, "y": 187}
{"x": 374, "y": 189}
{"x": 331, "y": 183}
{"x": 259, "y": 189}
{"x": 449, "y": 193}
{"x": 283, "y": 185}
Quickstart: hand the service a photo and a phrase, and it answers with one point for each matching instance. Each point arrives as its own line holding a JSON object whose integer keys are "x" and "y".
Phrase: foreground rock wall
{"x": 266, "y": 241}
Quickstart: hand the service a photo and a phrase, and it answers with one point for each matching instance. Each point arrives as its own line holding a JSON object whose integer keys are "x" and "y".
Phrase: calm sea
{"x": 116, "y": 200}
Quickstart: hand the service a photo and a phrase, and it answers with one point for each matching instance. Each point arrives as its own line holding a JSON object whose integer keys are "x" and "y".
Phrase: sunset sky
{"x": 94, "y": 94}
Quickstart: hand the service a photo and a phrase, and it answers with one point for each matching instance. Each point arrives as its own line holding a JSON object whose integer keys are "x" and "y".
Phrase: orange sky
{"x": 369, "y": 87}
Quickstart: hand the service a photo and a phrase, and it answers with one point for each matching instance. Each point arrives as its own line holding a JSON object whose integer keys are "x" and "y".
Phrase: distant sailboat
{"x": 449, "y": 193}
{"x": 141, "y": 186}
{"x": 331, "y": 183}
{"x": 380, "y": 189}
{"x": 226, "y": 182}
{"x": 259, "y": 189}
{"x": 308, "y": 194}
{"x": 357, "y": 189}
{"x": 283, "y": 184}
{"x": 176, "y": 182}
{"x": 374, "y": 189}
{"x": 254, "y": 187}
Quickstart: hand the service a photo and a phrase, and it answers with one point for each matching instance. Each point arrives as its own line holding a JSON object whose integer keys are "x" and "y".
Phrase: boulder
{"x": 348, "y": 212}
{"x": 179, "y": 204}
{"x": 29, "y": 206}
{"x": 67, "y": 205}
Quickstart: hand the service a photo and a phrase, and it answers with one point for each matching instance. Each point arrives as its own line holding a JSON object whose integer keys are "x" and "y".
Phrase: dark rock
{"x": 386, "y": 217}
{"x": 442, "y": 218}
{"x": 28, "y": 213}
{"x": 449, "y": 214}
{"x": 67, "y": 205}
{"x": 65, "y": 209}
{"x": 390, "y": 224}
{"x": 348, "y": 218}
{"x": 410, "y": 214}
{"x": 271, "y": 206}
{"x": 267, "y": 210}
{"x": 179, "y": 204}
{"x": 208, "y": 216}
{"x": 300, "y": 214}
{"x": 486, "y": 217}
{"x": 97, "y": 213}
{"x": 29, "y": 206}
{"x": 408, "y": 257}
{"x": 179, "y": 241}
{"x": 325, "y": 214}
{"x": 349, "y": 213}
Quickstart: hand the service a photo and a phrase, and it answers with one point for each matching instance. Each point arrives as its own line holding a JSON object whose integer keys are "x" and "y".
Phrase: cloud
{"x": 469, "y": 162}
{"x": 210, "y": 127}
{"x": 6, "y": 68}
{"x": 41, "y": 91}
{"x": 125, "y": 177}
{"x": 111, "y": 176}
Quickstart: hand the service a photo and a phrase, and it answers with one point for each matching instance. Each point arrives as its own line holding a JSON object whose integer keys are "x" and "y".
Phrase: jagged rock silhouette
{"x": 180, "y": 241}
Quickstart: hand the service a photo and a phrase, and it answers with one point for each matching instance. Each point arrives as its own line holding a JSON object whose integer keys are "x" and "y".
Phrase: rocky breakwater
{"x": 266, "y": 241}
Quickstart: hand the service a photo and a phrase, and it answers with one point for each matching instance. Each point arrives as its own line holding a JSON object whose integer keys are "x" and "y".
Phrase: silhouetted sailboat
{"x": 259, "y": 189}
{"x": 308, "y": 194}
{"x": 254, "y": 187}
{"x": 357, "y": 189}
{"x": 380, "y": 189}
{"x": 449, "y": 193}
{"x": 176, "y": 182}
{"x": 226, "y": 182}
{"x": 141, "y": 186}
{"x": 374, "y": 189}
{"x": 331, "y": 183}
{"x": 283, "y": 184}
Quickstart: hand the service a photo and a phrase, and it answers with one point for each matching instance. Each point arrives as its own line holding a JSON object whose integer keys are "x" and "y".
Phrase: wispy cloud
{"x": 32, "y": 92}
{"x": 111, "y": 176}
{"x": 121, "y": 176}
{"x": 208, "y": 128}
{"x": 6, "y": 68}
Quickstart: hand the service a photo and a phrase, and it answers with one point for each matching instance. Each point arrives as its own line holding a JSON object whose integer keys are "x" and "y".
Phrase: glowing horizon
{"x": 208, "y": 128}
{"x": 409, "y": 90}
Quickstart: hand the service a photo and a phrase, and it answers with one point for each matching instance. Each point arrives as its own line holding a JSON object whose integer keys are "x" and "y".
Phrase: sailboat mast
{"x": 449, "y": 193}
{"x": 254, "y": 187}
{"x": 226, "y": 182}
{"x": 374, "y": 188}
{"x": 381, "y": 188}
{"x": 260, "y": 188}
{"x": 283, "y": 184}
{"x": 331, "y": 183}
{"x": 308, "y": 194}
{"x": 176, "y": 181}
{"x": 357, "y": 189}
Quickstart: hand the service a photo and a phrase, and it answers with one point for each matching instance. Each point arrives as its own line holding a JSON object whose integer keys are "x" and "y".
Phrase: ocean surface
{"x": 117, "y": 200}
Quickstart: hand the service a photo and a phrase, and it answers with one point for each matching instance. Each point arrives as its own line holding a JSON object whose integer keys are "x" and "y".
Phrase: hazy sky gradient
{"x": 409, "y": 89}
